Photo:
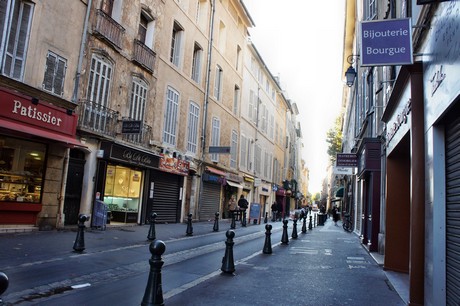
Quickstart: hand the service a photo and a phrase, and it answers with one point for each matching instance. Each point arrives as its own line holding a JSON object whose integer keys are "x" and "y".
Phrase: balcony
{"x": 97, "y": 118}
{"x": 144, "y": 56}
{"x": 142, "y": 139}
{"x": 109, "y": 29}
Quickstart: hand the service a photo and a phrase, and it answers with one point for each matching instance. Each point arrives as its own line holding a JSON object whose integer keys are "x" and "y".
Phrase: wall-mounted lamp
{"x": 69, "y": 112}
{"x": 34, "y": 101}
{"x": 350, "y": 74}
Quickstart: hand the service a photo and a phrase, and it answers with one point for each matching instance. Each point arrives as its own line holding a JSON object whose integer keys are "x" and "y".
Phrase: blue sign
{"x": 254, "y": 211}
{"x": 386, "y": 43}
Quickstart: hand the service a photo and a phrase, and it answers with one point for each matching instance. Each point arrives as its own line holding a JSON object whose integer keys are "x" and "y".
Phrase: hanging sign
{"x": 386, "y": 43}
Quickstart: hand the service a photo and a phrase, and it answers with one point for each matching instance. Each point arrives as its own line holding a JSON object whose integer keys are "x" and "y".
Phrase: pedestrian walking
{"x": 232, "y": 205}
{"x": 243, "y": 205}
{"x": 274, "y": 209}
{"x": 335, "y": 214}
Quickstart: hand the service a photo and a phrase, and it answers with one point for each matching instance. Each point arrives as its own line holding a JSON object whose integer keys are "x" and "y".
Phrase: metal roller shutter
{"x": 453, "y": 212}
{"x": 210, "y": 199}
{"x": 166, "y": 197}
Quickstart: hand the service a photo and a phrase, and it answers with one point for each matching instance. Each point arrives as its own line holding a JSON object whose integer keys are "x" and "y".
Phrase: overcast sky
{"x": 301, "y": 41}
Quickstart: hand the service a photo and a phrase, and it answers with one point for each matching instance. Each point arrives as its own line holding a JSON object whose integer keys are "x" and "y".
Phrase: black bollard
{"x": 3, "y": 285}
{"x": 294, "y": 229}
{"x": 152, "y": 235}
{"x": 268, "y": 242}
{"x": 153, "y": 292}
{"x": 243, "y": 218}
{"x": 79, "y": 244}
{"x": 266, "y": 217}
{"x": 216, "y": 222}
{"x": 284, "y": 236}
{"x": 310, "y": 225}
{"x": 228, "y": 266}
{"x": 189, "y": 231}
{"x": 233, "y": 225}
{"x": 304, "y": 225}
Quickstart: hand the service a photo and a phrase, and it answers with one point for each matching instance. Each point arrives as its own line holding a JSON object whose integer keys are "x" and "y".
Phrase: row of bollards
{"x": 154, "y": 293}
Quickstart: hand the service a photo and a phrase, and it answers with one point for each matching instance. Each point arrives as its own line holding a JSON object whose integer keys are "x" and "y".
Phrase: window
{"x": 250, "y": 154}
{"x": 233, "y": 149}
{"x": 271, "y": 126}
{"x": 222, "y": 37}
{"x": 215, "y": 137}
{"x": 218, "y": 83}
{"x": 100, "y": 77}
{"x": 371, "y": 9}
{"x": 15, "y": 23}
{"x": 170, "y": 123}
{"x": 238, "y": 57}
{"x": 107, "y": 6}
{"x": 138, "y": 99}
{"x": 55, "y": 69}
{"x": 201, "y": 9}
{"x": 146, "y": 29}
{"x": 22, "y": 170}
{"x": 193, "y": 119}
{"x": 258, "y": 159}
{"x": 243, "y": 151}
{"x": 196, "y": 63}
{"x": 176, "y": 44}
{"x": 236, "y": 97}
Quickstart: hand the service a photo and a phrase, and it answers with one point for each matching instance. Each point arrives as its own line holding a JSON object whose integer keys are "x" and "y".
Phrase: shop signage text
{"x": 131, "y": 126}
{"x": 400, "y": 120}
{"x": 133, "y": 156}
{"x": 346, "y": 160}
{"x": 43, "y": 114}
{"x": 174, "y": 165}
{"x": 387, "y": 42}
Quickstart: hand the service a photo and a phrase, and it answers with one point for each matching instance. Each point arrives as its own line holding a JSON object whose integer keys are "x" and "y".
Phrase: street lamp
{"x": 350, "y": 74}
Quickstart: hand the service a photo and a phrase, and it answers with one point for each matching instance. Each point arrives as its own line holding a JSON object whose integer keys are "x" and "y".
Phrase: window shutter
{"x": 59, "y": 78}
{"x": 49, "y": 72}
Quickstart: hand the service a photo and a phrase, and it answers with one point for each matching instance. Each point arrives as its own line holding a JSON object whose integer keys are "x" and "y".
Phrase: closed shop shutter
{"x": 453, "y": 212}
{"x": 210, "y": 199}
{"x": 166, "y": 197}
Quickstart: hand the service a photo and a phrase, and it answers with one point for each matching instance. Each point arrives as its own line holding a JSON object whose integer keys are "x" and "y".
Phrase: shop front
{"x": 233, "y": 187}
{"x": 121, "y": 175}
{"x": 210, "y": 198}
{"x": 369, "y": 179}
{"x": 34, "y": 138}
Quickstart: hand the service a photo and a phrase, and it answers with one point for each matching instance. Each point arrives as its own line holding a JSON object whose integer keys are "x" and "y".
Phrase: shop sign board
{"x": 386, "y": 42}
{"x": 219, "y": 150}
{"x": 131, "y": 126}
{"x": 346, "y": 160}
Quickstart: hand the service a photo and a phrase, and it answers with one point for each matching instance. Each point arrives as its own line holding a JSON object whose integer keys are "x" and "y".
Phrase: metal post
{"x": 268, "y": 242}
{"x": 4, "y": 282}
{"x": 216, "y": 222}
{"x": 153, "y": 291}
{"x": 152, "y": 233}
{"x": 304, "y": 225}
{"x": 228, "y": 265}
{"x": 294, "y": 229}
{"x": 284, "y": 236}
{"x": 79, "y": 244}
{"x": 189, "y": 231}
{"x": 233, "y": 225}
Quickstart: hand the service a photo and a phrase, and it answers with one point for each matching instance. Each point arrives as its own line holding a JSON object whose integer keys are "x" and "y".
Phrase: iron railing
{"x": 143, "y": 138}
{"x": 109, "y": 28}
{"x": 97, "y": 118}
{"x": 144, "y": 56}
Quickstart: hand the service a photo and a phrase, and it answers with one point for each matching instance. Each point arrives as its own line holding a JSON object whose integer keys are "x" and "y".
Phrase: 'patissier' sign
{"x": 387, "y": 42}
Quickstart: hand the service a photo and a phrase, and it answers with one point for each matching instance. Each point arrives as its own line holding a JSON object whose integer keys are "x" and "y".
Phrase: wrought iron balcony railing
{"x": 144, "y": 56}
{"x": 97, "y": 118}
{"x": 111, "y": 30}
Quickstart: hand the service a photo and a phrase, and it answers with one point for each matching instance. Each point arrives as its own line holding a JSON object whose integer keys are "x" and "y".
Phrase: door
{"x": 74, "y": 187}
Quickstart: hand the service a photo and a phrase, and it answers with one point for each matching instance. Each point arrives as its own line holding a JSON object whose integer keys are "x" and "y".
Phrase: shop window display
{"x": 122, "y": 193}
{"x": 22, "y": 165}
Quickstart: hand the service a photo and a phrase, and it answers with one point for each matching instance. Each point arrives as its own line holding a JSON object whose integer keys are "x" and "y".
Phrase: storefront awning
{"x": 67, "y": 140}
{"x": 339, "y": 193}
{"x": 216, "y": 171}
{"x": 233, "y": 184}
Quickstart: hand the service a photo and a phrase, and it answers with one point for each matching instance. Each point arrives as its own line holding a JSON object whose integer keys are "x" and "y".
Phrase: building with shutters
{"x": 401, "y": 121}
{"x": 39, "y": 45}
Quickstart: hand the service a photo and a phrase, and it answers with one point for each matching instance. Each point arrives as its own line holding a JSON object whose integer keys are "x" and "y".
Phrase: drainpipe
{"x": 61, "y": 217}
{"x": 206, "y": 97}
{"x": 82, "y": 52}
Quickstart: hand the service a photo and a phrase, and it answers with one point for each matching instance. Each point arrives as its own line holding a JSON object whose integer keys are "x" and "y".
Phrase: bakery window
{"x": 122, "y": 193}
{"x": 22, "y": 165}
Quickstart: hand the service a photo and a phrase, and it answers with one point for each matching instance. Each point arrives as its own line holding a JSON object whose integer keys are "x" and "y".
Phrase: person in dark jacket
{"x": 274, "y": 211}
{"x": 335, "y": 214}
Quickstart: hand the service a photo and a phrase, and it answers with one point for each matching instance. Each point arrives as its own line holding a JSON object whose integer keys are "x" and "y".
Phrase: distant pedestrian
{"x": 232, "y": 205}
{"x": 243, "y": 203}
{"x": 335, "y": 214}
{"x": 274, "y": 211}
{"x": 280, "y": 210}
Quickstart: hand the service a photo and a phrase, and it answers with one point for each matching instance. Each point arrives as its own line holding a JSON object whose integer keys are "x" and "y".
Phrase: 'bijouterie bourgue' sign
{"x": 129, "y": 155}
{"x": 387, "y": 42}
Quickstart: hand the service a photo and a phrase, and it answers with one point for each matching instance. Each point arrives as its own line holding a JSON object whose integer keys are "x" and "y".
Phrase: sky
{"x": 301, "y": 41}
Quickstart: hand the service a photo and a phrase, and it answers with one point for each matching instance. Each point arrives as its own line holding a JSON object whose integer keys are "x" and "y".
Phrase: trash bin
{"x": 321, "y": 218}
{"x": 99, "y": 217}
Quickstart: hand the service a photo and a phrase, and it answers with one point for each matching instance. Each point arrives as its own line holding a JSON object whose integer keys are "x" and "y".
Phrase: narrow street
{"x": 320, "y": 267}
